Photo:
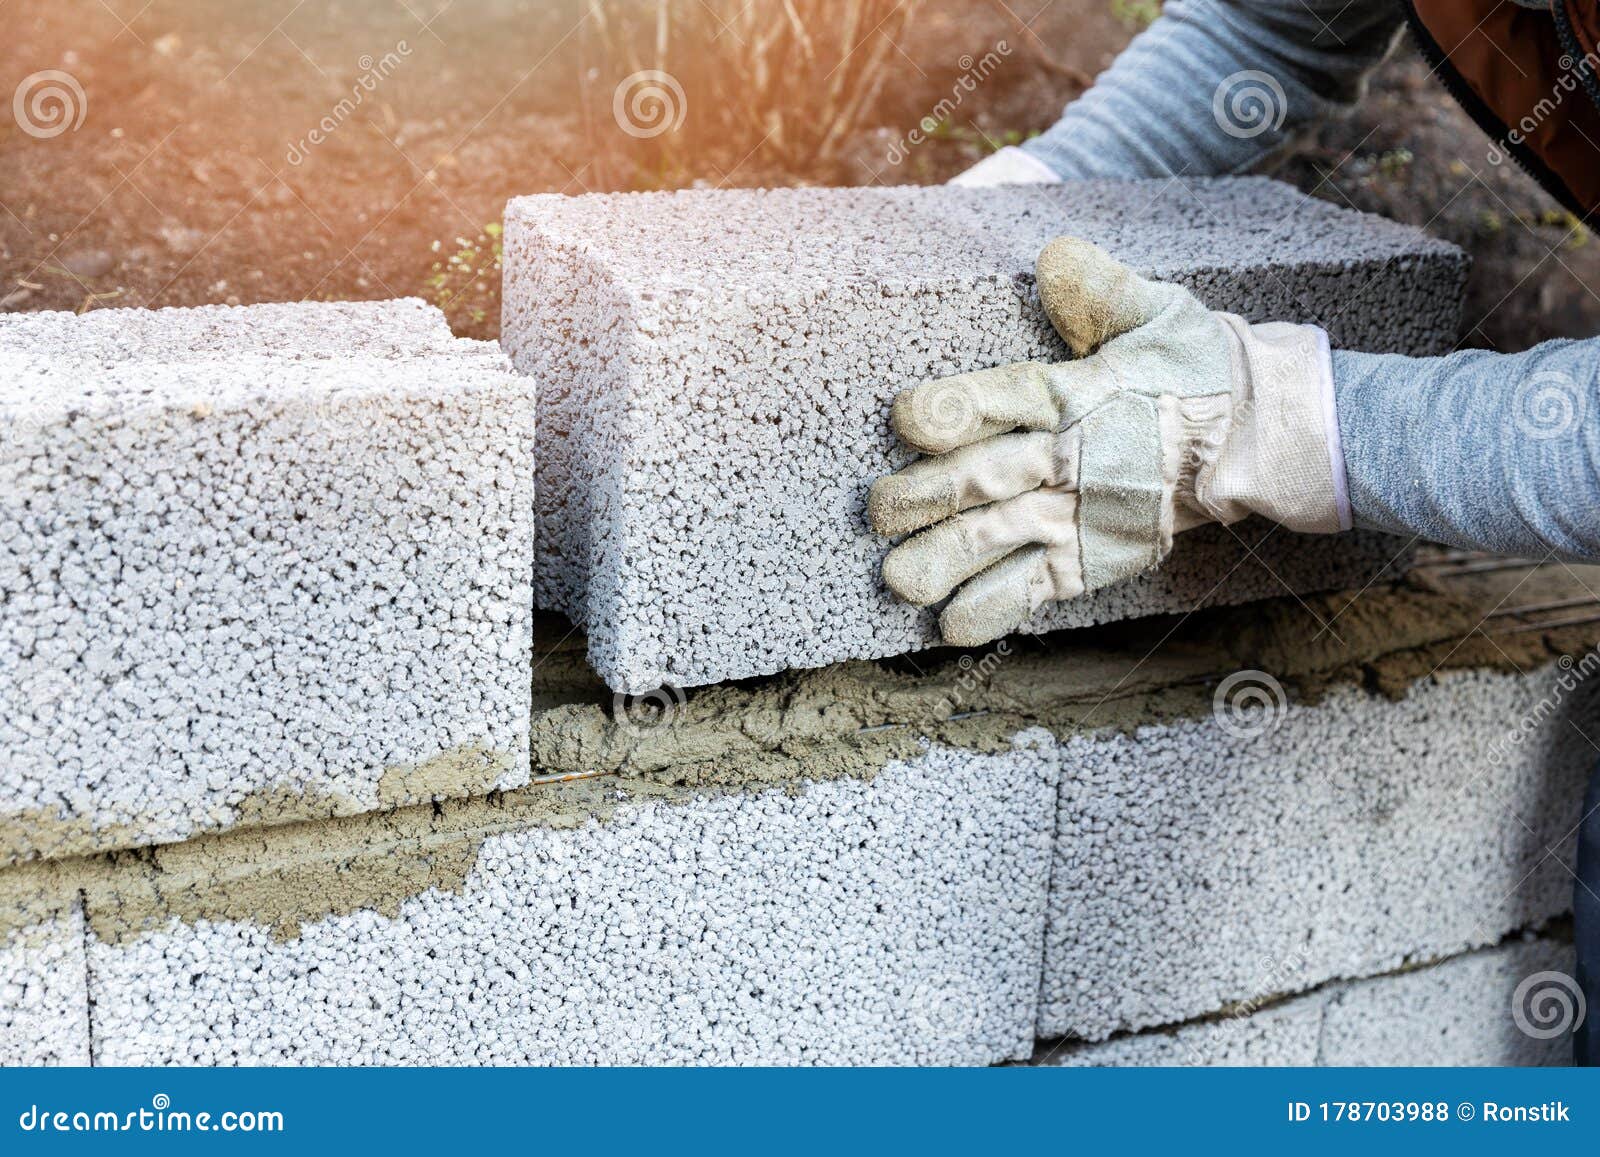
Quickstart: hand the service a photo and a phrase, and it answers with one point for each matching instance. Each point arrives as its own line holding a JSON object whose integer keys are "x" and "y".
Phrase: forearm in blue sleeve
{"x": 1213, "y": 86}
{"x": 1486, "y": 451}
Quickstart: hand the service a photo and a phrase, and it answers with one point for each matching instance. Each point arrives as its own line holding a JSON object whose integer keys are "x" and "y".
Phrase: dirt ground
{"x": 192, "y": 177}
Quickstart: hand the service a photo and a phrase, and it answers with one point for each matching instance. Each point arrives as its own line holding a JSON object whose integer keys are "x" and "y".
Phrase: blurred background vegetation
{"x": 195, "y": 176}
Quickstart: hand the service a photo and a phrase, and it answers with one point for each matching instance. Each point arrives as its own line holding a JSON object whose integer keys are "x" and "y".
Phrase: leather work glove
{"x": 1043, "y": 481}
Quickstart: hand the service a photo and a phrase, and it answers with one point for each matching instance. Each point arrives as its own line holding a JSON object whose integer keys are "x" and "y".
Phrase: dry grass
{"x": 788, "y": 80}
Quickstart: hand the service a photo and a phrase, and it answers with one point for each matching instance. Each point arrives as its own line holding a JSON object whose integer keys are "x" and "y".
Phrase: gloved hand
{"x": 1043, "y": 481}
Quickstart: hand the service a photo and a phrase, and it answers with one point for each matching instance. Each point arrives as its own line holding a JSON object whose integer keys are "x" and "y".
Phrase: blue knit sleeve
{"x": 1213, "y": 86}
{"x": 1495, "y": 452}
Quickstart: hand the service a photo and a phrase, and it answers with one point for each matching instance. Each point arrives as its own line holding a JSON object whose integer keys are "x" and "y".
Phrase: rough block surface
{"x": 891, "y": 920}
{"x": 716, "y": 370}
{"x": 256, "y": 562}
{"x": 1455, "y": 1013}
{"x": 44, "y": 991}
{"x": 1196, "y": 868}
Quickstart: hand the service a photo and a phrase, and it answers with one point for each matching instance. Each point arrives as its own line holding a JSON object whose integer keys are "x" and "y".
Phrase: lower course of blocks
{"x": 853, "y": 921}
{"x": 872, "y": 885}
{"x": 1460, "y": 1012}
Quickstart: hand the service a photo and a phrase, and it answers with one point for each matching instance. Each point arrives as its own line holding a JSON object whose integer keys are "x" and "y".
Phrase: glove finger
{"x": 1004, "y": 597}
{"x": 943, "y": 415}
{"x": 1091, "y": 297}
{"x": 928, "y": 566}
{"x": 932, "y": 489}
{"x": 995, "y": 602}
{"x": 940, "y": 416}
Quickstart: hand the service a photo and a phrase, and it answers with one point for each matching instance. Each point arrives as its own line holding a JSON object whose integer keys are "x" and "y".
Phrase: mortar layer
{"x": 804, "y": 727}
{"x": 856, "y": 714}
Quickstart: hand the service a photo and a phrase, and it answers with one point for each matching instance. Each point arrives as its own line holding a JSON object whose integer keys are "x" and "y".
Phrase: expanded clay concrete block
{"x": 257, "y": 563}
{"x": 44, "y": 989}
{"x": 1198, "y": 866}
{"x": 313, "y": 330}
{"x": 1508, "y": 1006}
{"x": 716, "y": 370}
{"x": 891, "y": 920}
{"x": 1460, "y": 1012}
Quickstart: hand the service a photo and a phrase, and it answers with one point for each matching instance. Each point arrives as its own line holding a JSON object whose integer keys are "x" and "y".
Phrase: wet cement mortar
{"x": 780, "y": 733}
{"x": 469, "y": 770}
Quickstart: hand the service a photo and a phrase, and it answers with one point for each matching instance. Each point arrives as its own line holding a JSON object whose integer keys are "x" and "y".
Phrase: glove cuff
{"x": 1330, "y": 429}
{"x": 1281, "y": 456}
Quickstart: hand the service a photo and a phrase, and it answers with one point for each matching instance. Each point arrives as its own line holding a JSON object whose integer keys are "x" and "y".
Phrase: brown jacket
{"x": 1530, "y": 77}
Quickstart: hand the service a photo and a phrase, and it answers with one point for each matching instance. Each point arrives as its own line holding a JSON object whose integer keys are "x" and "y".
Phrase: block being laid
{"x": 716, "y": 370}
{"x": 257, "y": 563}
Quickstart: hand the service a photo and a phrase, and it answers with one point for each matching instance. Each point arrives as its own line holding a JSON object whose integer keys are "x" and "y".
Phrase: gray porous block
{"x": 255, "y": 562}
{"x": 1197, "y": 866}
{"x": 1510, "y": 1005}
{"x": 44, "y": 990}
{"x": 894, "y": 920}
{"x": 716, "y": 370}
